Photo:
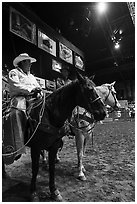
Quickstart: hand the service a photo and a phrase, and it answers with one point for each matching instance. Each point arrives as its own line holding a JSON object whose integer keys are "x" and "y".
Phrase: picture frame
{"x": 65, "y": 53}
{"x": 21, "y": 26}
{"x": 46, "y": 43}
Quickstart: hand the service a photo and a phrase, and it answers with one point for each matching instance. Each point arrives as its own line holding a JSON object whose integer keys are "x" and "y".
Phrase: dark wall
{"x": 13, "y": 45}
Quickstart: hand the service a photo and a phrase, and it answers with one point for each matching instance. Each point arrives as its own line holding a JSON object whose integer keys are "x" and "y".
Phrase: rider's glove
{"x": 36, "y": 92}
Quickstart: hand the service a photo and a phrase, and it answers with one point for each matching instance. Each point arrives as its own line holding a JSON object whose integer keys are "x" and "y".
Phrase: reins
{"x": 98, "y": 98}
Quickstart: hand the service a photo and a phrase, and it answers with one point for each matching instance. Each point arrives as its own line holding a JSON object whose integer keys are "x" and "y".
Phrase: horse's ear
{"x": 112, "y": 84}
{"x": 80, "y": 77}
{"x": 92, "y": 77}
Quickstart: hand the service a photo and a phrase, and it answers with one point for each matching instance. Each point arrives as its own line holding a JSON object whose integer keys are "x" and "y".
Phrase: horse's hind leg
{"x": 35, "y": 155}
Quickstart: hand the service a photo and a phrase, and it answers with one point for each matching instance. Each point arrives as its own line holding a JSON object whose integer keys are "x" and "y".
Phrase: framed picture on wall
{"x": 56, "y": 66}
{"x": 79, "y": 62}
{"x": 46, "y": 43}
{"x": 21, "y": 26}
{"x": 65, "y": 53}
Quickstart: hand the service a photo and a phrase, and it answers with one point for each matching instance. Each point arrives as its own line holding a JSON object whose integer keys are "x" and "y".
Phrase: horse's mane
{"x": 62, "y": 93}
{"x": 59, "y": 93}
{"x": 108, "y": 85}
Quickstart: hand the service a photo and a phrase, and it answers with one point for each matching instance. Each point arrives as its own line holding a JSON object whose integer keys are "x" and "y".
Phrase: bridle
{"x": 91, "y": 101}
{"x": 98, "y": 98}
{"x": 113, "y": 94}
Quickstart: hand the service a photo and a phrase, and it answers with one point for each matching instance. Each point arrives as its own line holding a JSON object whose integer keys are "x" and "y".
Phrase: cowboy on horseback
{"x": 24, "y": 89}
{"x": 21, "y": 84}
{"x": 21, "y": 81}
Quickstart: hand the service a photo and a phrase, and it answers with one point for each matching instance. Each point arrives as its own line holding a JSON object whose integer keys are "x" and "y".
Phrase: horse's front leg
{"x": 79, "y": 138}
{"x": 55, "y": 194}
{"x": 35, "y": 155}
{"x": 88, "y": 137}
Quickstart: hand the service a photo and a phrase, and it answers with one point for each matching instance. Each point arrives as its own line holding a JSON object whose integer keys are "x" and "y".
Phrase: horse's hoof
{"x": 84, "y": 170}
{"x": 82, "y": 178}
{"x": 56, "y": 196}
{"x": 57, "y": 160}
{"x": 34, "y": 197}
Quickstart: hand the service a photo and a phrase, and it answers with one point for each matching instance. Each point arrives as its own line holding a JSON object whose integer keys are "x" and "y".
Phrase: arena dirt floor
{"x": 110, "y": 166}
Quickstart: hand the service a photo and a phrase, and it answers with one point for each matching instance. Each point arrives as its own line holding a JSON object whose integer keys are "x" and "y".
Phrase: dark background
{"x": 80, "y": 23}
{"x": 92, "y": 33}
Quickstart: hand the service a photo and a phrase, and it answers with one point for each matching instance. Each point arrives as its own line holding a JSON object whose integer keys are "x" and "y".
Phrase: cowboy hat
{"x": 22, "y": 57}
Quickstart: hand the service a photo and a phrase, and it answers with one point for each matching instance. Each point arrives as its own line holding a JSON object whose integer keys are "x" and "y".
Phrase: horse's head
{"x": 109, "y": 95}
{"x": 92, "y": 101}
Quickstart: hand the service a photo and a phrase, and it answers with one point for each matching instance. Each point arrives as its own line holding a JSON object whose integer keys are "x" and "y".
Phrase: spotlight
{"x": 117, "y": 46}
{"x": 101, "y": 7}
{"x": 120, "y": 31}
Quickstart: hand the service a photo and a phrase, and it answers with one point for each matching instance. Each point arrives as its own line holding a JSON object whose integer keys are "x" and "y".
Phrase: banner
{"x": 65, "y": 53}
{"x": 79, "y": 62}
{"x": 46, "y": 43}
{"x": 22, "y": 27}
{"x": 56, "y": 66}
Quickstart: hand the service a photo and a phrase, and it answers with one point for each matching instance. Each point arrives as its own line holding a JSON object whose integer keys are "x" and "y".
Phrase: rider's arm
{"x": 18, "y": 84}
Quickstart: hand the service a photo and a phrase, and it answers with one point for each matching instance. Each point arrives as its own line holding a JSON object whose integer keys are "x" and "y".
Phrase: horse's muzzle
{"x": 99, "y": 115}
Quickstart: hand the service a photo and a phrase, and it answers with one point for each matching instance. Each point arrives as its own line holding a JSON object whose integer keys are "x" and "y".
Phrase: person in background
{"x": 21, "y": 84}
{"x": 64, "y": 79}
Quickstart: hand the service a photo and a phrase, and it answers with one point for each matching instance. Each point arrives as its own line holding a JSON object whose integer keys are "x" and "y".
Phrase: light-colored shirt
{"x": 20, "y": 82}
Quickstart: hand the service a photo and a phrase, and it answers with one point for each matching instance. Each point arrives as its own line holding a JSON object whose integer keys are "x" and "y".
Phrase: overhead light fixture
{"x": 120, "y": 31}
{"x": 101, "y": 7}
{"x": 115, "y": 64}
{"x": 117, "y": 46}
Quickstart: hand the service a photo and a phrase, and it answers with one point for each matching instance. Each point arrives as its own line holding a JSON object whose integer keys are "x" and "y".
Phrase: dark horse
{"x": 49, "y": 116}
